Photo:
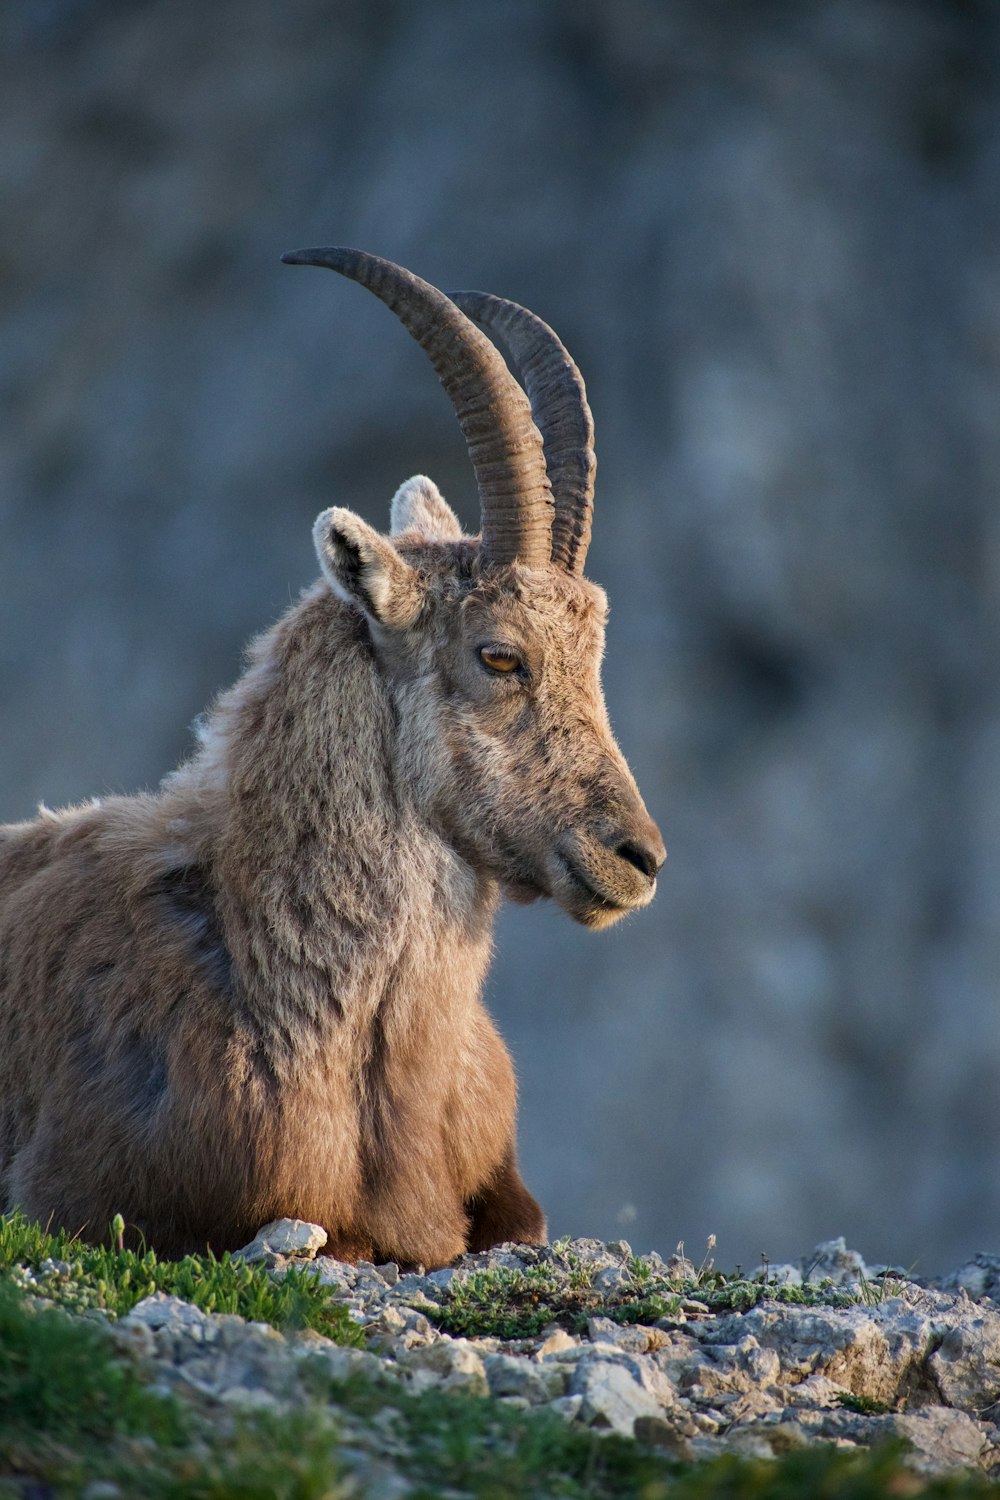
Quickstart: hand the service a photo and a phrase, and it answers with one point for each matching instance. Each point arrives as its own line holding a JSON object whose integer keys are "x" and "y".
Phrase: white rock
{"x": 454, "y": 1362}
{"x": 620, "y": 1335}
{"x": 976, "y": 1280}
{"x": 250, "y": 1398}
{"x": 286, "y": 1237}
{"x": 612, "y": 1279}
{"x": 567, "y": 1406}
{"x": 333, "y": 1272}
{"x": 161, "y": 1311}
{"x": 942, "y": 1439}
{"x": 764, "y": 1439}
{"x": 832, "y": 1261}
{"x": 558, "y": 1342}
{"x": 509, "y": 1375}
{"x": 612, "y": 1396}
{"x": 966, "y": 1366}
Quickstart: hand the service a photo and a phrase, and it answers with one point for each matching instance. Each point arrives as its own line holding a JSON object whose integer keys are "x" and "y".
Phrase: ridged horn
{"x": 504, "y": 444}
{"x": 559, "y": 406}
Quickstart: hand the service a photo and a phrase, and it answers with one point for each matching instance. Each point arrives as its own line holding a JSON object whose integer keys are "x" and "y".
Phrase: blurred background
{"x": 769, "y": 234}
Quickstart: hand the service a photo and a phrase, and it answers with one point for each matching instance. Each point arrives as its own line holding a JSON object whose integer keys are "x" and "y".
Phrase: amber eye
{"x": 499, "y": 660}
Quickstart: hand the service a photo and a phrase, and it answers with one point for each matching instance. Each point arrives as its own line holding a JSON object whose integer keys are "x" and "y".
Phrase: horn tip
{"x": 318, "y": 257}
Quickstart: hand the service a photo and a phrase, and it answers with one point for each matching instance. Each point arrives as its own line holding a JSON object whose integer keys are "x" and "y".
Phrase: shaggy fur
{"x": 256, "y": 993}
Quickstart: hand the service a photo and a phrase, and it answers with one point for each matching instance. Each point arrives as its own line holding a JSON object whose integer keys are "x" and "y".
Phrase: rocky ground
{"x": 830, "y": 1351}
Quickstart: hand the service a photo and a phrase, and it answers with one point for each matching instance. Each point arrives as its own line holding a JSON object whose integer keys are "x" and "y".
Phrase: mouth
{"x": 582, "y": 899}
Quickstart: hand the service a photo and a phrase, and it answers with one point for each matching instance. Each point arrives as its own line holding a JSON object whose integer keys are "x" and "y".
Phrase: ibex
{"x": 256, "y": 993}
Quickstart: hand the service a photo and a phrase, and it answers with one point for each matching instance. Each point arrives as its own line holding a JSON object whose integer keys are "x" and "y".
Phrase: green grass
{"x": 72, "y": 1411}
{"x": 865, "y": 1406}
{"x": 516, "y": 1304}
{"x": 75, "y": 1409}
{"x": 76, "y": 1276}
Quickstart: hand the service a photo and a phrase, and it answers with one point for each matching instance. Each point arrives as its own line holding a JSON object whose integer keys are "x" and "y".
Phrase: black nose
{"x": 647, "y": 858}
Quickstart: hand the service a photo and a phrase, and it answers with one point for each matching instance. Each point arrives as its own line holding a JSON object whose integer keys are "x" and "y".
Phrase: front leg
{"x": 503, "y": 1209}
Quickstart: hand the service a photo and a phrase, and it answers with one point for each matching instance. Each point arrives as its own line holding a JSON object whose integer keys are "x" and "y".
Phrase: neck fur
{"x": 330, "y": 886}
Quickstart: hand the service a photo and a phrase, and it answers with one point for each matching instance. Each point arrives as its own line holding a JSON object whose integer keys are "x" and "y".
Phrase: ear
{"x": 418, "y": 505}
{"x": 366, "y": 570}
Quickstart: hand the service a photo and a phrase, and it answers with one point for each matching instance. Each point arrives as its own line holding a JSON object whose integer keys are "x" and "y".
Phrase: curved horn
{"x": 559, "y": 406}
{"x": 504, "y": 444}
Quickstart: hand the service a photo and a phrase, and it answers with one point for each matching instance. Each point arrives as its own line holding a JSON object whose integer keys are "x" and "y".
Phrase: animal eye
{"x": 497, "y": 659}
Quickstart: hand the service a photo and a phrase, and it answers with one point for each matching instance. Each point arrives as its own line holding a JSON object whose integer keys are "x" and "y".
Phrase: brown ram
{"x": 256, "y": 994}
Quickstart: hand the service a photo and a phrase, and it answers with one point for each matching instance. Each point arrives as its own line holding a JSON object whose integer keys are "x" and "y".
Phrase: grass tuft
{"x": 516, "y": 1304}
{"x": 76, "y": 1277}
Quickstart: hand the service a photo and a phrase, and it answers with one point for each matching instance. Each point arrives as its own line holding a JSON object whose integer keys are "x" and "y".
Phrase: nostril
{"x": 647, "y": 861}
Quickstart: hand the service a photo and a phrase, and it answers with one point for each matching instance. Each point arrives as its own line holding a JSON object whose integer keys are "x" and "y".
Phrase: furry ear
{"x": 366, "y": 570}
{"x": 418, "y": 505}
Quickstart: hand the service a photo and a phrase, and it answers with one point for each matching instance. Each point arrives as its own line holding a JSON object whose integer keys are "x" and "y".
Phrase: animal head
{"x": 493, "y": 644}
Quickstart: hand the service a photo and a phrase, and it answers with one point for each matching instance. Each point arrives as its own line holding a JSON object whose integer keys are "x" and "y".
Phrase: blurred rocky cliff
{"x": 770, "y": 234}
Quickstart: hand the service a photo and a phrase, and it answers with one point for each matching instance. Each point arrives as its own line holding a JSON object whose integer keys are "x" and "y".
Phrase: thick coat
{"x": 255, "y": 994}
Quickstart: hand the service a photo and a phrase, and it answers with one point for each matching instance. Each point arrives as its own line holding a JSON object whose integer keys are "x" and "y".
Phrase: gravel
{"x": 898, "y": 1356}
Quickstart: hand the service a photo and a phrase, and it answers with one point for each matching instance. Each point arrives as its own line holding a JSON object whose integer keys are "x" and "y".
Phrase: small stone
{"x": 623, "y": 1336}
{"x": 612, "y": 1397}
{"x": 567, "y": 1407}
{"x": 331, "y": 1272}
{"x": 679, "y": 1268}
{"x": 557, "y": 1343}
{"x": 979, "y": 1278}
{"x": 510, "y": 1376}
{"x": 389, "y": 1272}
{"x": 136, "y": 1338}
{"x": 396, "y": 1328}
{"x": 345, "y": 1364}
{"x": 161, "y": 1311}
{"x": 370, "y": 1284}
{"x": 250, "y": 1398}
{"x": 612, "y": 1279}
{"x": 419, "y": 1290}
{"x": 654, "y": 1263}
{"x": 659, "y": 1433}
{"x": 587, "y": 1252}
{"x": 455, "y": 1362}
{"x": 765, "y": 1439}
{"x": 385, "y": 1332}
{"x": 285, "y": 1237}
{"x": 832, "y": 1261}
{"x": 941, "y": 1439}
{"x": 621, "y": 1248}
{"x": 966, "y": 1366}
